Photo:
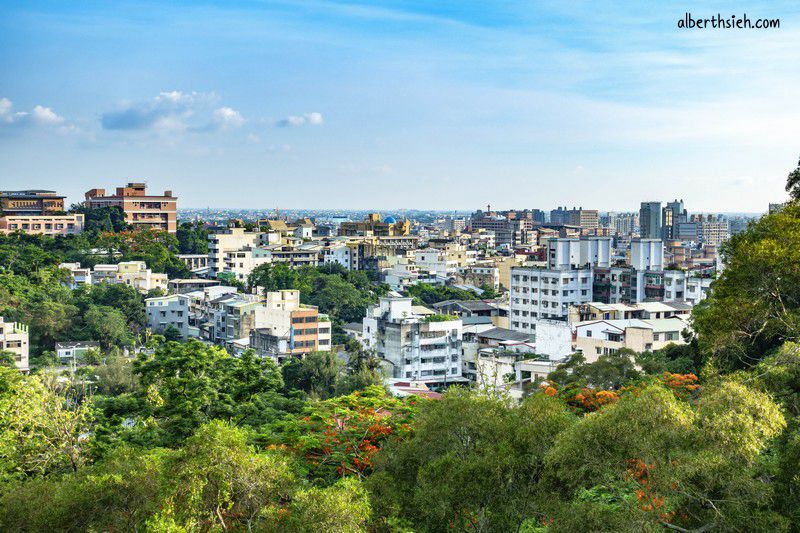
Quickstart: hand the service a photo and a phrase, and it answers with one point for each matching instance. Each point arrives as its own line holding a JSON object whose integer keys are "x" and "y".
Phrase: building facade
{"x": 141, "y": 210}
{"x": 49, "y": 225}
{"x": 14, "y": 338}
{"x": 31, "y": 203}
{"x": 413, "y": 346}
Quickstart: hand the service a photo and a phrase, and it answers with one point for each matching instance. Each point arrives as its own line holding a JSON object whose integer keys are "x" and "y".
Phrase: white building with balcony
{"x": 414, "y": 346}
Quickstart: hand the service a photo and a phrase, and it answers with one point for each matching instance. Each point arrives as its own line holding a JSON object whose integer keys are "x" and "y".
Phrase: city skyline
{"x": 298, "y": 105}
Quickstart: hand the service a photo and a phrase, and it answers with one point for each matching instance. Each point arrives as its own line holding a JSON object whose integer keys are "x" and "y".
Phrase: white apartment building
{"x": 682, "y": 286}
{"x": 444, "y": 260}
{"x": 340, "y": 254}
{"x": 14, "y": 338}
{"x": 239, "y": 264}
{"x": 166, "y": 311}
{"x": 414, "y": 346}
{"x": 547, "y": 293}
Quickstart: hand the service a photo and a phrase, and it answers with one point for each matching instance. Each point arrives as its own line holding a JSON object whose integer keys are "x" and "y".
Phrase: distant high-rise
{"x": 672, "y": 215}
{"x": 650, "y": 220}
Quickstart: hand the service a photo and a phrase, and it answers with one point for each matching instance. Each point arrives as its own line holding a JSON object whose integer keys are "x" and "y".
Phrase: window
{"x": 588, "y": 333}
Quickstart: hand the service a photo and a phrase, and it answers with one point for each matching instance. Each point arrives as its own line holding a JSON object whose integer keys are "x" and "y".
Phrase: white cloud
{"x": 5, "y": 106}
{"x": 226, "y": 117}
{"x": 168, "y": 111}
{"x": 38, "y": 116}
{"x": 45, "y": 115}
{"x": 314, "y": 119}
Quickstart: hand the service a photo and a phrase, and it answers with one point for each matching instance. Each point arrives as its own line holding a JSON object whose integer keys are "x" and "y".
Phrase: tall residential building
{"x": 672, "y": 215}
{"x": 30, "y": 202}
{"x": 413, "y": 346}
{"x": 584, "y": 218}
{"x": 510, "y": 230}
{"x": 141, "y": 210}
{"x": 650, "y": 220}
{"x": 547, "y": 293}
{"x": 712, "y": 230}
{"x": 14, "y": 338}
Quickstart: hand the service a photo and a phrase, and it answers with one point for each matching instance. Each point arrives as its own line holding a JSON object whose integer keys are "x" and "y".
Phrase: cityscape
{"x": 399, "y": 267}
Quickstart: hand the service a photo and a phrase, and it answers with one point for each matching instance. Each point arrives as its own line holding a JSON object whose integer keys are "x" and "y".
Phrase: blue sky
{"x": 435, "y": 105}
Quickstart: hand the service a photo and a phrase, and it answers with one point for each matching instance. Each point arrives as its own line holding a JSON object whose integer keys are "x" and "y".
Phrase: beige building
{"x": 141, "y": 210}
{"x": 286, "y": 328}
{"x": 132, "y": 273}
{"x": 14, "y": 338}
{"x": 50, "y": 225}
{"x": 229, "y": 240}
{"x": 604, "y": 337}
{"x": 372, "y": 225}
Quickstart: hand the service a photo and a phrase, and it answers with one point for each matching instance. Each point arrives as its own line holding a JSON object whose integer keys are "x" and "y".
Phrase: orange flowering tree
{"x": 339, "y": 437}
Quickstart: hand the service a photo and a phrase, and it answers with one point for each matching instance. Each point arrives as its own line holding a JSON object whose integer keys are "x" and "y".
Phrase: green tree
{"x": 473, "y": 463}
{"x": 754, "y": 305}
{"x": 41, "y": 432}
{"x": 108, "y": 325}
{"x": 220, "y": 482}
{"x": 192, "y": 238}
{"x": 793, "y": 183}
{"x": 317, "y": 374}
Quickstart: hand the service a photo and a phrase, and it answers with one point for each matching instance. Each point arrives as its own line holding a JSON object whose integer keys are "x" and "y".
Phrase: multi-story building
{"x": 584, "y": 218}
{"x": 228, "y": 240}
{"x": 14, "y": 338}
{"x": 547, "y": 293}
{"x": 77, "y": 275}
{"x": 712, "y": 230}
{"x": 412, "y": 345}
{"x": 166, "y": 311}
{"x": 141, "y": 210}
{"x": 672, "y": 215}
{"x": 286, "y": 328}
{"x": 444, "y": 258}
{"x": 50, "y": 225}
{"x": 31, "y": 203}
{"x": 239, "y": 264}
{"x": 650, "y": 220}
{"x": 510, "y": 230}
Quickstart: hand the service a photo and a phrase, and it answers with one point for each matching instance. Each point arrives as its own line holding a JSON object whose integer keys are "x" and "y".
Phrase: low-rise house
{"x": 14, "y": 339}
{"x": 604, "y": 337}
{"x": 132, "y": 273}
{"x": 50, "y": 225}
{"x": 69, "y": 352}
{"x": 77, "y": 275}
